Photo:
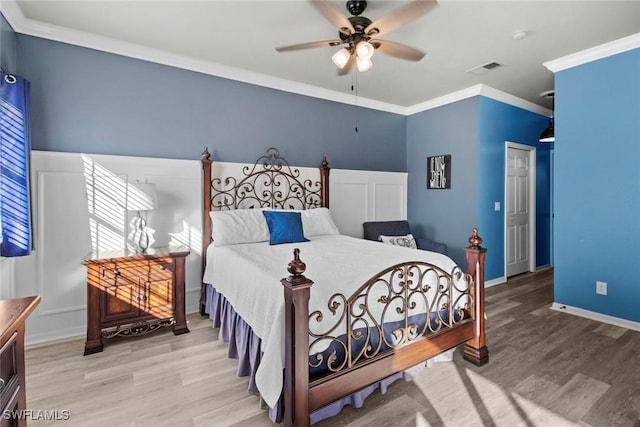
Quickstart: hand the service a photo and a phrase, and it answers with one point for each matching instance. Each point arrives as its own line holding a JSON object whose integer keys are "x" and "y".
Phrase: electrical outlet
{"x": 601, "y": 288}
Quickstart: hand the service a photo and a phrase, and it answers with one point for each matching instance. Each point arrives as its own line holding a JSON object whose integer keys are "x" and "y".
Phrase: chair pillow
{"x": 284, "y": 227}
{"x": 405, "y": 241}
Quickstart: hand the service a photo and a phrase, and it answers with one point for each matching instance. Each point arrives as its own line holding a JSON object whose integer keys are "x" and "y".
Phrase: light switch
{"x": 496, "y": 206}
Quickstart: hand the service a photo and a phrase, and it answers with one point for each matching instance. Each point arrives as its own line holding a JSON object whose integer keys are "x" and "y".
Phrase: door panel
{"x": 517, "y": 214}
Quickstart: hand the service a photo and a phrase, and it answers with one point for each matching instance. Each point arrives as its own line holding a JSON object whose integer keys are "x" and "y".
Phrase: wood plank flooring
{"x": 546, "y": 369}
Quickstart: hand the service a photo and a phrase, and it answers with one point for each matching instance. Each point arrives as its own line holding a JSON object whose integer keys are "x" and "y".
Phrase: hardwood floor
{"x": 546, "y": 369}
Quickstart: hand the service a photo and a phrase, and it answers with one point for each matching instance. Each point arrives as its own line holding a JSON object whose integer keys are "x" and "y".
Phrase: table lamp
{"x": 140, "y": 197}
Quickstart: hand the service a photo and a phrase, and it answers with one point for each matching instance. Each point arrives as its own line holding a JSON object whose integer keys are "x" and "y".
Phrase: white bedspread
{"x": 248, "y": 275}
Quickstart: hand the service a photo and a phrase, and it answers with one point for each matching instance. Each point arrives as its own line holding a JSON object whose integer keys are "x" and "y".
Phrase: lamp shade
{"x": 341, "y": 57}
{"x": 141, "y": 197}
{"x": 548, "y": 135}
{"x": 364, "y": 50}
{"x": 363, "y": 64}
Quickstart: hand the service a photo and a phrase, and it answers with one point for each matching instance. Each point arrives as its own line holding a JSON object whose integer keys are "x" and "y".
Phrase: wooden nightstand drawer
{"x": 132, "y": 294}
{"x": 9, "y": 380}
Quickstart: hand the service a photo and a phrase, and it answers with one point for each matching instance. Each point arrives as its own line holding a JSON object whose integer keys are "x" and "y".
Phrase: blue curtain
{"x": 15, "y": 150}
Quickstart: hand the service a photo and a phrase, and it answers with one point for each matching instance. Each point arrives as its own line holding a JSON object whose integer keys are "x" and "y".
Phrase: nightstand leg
{"x": 93, "y": 346}
{"x": 180, "y": 328}
{"x": 94, "y": 334}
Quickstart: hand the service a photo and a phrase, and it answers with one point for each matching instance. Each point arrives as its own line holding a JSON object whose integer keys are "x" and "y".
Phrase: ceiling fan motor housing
{"x": 356, "y": 7}
{"x": 359, "y": 24}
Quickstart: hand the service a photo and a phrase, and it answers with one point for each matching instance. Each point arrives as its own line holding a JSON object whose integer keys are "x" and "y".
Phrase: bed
{"x": 350, "y": 316}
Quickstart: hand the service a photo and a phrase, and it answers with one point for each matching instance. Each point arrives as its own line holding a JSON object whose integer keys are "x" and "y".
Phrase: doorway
{"x": 520, "y": 209}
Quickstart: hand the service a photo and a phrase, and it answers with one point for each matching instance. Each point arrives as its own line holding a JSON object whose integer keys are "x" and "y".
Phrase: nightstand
{"x": 13, "y": 313}
{"x": 130, "y": 294}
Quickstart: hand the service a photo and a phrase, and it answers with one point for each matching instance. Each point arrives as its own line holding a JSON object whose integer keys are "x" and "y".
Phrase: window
{"x": 15, "y": 149}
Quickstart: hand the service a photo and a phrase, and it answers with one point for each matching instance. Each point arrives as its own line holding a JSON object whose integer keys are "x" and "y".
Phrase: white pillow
{"x": 238, "y": 226}
{"x": 318, "y": 222}
{"x": 405, "y": 241}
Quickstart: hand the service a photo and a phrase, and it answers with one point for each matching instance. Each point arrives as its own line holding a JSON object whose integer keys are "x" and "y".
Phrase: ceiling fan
{"x": 359, "y": 34}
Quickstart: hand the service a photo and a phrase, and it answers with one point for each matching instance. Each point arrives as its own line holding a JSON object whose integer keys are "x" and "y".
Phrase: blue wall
{"x": 89, "y": 101}
{"x": 501, "y": 122}
{"x": 597, "y": 185}
{"x": 474, "y": 132}
{"x": 7, "y": 46}
{"x": 444, "y": 215}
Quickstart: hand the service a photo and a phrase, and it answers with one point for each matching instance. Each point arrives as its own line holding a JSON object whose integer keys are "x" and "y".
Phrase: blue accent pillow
{"x": 284, "y": 227}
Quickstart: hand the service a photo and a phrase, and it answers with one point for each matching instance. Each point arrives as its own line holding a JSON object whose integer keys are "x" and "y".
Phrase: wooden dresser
{"x": 13, "y": 313}
{"x": 132, "y": 294}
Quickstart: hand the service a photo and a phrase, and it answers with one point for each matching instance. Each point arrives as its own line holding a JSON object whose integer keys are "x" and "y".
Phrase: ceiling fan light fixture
{"x": 341, "y": 57}
{"x": 548, "y": 135}
{"x": 364, "y": 50}
{"x": 363, "y": 64}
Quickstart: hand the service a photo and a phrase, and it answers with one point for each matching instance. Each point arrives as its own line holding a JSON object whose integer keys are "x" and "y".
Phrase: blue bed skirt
{"x": 244, "y": 346}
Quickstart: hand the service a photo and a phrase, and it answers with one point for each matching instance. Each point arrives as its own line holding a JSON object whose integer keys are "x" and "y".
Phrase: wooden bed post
{"x": 206, "y": 219}
{"x": 297, "y": 290}
{"x": 324, "y": 181}
{"x": 475, "y": 350}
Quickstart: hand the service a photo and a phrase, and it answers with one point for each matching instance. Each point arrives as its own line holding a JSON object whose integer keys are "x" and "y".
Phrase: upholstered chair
{"x": 374, "y": 229}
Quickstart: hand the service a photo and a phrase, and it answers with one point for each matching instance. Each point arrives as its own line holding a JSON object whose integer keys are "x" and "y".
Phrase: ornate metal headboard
{"x": 269, "y": 183}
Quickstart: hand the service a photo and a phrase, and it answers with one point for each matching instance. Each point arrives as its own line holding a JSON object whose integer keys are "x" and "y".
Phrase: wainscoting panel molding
{"x": 360, "y": 196}
{"x": 79, "y": 205}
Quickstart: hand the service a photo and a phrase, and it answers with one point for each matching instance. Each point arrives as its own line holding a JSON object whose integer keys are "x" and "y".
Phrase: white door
{"x": 517, "y": 211}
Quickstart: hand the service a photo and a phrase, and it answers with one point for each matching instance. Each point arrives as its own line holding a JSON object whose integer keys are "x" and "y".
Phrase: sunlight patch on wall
{"x": 190, "y": 236}
{"x": 106, "y": 202}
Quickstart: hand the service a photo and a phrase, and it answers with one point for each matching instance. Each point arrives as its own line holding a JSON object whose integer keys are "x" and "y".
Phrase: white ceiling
{"x": 457, "y": 36}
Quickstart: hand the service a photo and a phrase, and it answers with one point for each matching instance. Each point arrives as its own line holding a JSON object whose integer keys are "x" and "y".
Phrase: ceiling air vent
{"x": 484, "y": 68}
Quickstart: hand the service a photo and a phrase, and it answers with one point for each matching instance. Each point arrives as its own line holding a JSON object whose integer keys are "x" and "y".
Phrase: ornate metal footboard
{"x": 402, "y": 316}
{"x": 400, "y": 305}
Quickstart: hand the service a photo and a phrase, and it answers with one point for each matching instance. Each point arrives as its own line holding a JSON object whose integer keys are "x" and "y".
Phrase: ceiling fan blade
{"x": 334, "y": 15}
{"x": 400, "y": 17}
{"x": 310, "y": 45}
{"x": 397, "y": 50}
{"x": 345, "y": 70}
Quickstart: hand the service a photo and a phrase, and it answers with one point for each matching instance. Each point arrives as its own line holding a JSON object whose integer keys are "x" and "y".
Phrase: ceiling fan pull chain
{"x": 354, "y": 88}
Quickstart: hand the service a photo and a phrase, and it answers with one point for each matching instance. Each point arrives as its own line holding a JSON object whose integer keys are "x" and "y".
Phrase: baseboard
{"x": 543, "y": 267}
{"x": 616, "y": 321}
{"x": 494, "y": 282}
{"x": 48, "y": 337}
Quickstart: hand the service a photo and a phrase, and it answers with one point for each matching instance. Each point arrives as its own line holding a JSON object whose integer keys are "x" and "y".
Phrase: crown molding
{"x": 444, "y": 100}
{"x": 20, "y": 24}
{"x": 598, "y": 52}
{"x": 507, "y": 98}
{"x": 478, "y": 90}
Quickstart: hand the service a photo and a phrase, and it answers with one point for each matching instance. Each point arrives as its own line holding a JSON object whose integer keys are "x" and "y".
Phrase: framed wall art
{"x": 439, "y": 172}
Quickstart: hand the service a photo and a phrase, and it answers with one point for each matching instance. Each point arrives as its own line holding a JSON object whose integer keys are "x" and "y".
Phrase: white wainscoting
{"x": 359, "y": 196}
{"x": 77, "y": 206}
{"x": 6, "y": 278}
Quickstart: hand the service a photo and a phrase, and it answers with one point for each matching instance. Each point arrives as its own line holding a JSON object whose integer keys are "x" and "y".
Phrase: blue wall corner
{"x": 444, "y": 215}
{"x": 499, "y": 123}
{"x": 474, "y": 132}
